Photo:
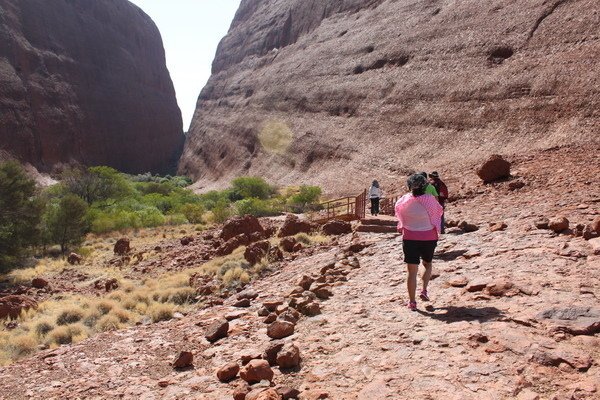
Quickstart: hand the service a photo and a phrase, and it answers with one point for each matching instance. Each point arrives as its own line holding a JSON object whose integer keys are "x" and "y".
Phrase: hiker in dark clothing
{"x": 375, "y": 195}
{"x": 442, "y": 190}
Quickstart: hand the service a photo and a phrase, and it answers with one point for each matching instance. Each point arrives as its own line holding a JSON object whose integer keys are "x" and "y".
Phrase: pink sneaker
{"x": 424, "y": 295}
{"x": 412, "y": 305}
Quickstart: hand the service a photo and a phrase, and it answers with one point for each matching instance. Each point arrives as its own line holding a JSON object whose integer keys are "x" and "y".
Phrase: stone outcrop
{"x": 302, "y": 90}
{"x": 86, "y": 81}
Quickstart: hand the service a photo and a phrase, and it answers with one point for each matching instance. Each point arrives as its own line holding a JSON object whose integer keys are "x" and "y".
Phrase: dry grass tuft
{"x": 161, "y": 312}
{"x": 69, "y": 316}
{"x": 108, "y": 323}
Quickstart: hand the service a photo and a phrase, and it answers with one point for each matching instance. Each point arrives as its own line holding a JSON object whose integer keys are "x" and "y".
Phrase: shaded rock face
{"x": 349, "y": 81}
{"x": 86, "y": 81}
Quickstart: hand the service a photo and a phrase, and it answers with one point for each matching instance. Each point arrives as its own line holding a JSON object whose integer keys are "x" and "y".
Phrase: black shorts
{"x": 415, "y": 250}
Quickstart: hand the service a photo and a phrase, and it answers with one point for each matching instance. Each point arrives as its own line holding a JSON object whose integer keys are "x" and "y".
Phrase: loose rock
{"x": 184, "y": 360}
{"x": 217, "y": 330}
{"x": 256, "y": 371}
{"x": 228, "y": 372}
{"x": 280, "y": 329}
{"x": 288, "y": 356}
{"x": 495, "y": 168}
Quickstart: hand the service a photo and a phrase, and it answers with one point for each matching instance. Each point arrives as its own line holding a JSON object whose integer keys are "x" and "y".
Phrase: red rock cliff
{"x": 86, "y": 81}
{"x": 370, "y": 89}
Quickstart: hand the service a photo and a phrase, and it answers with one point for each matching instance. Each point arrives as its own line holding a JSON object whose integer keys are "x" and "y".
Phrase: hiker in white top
{"x": 375, "y": 194}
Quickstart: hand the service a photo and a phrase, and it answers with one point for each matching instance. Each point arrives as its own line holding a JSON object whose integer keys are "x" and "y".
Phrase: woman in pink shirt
{"x": 419, "y": 220}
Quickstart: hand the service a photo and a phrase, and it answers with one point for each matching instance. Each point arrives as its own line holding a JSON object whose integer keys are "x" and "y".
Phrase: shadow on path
{"x": 457, "y": 314}
{"x": 450, "y": 255}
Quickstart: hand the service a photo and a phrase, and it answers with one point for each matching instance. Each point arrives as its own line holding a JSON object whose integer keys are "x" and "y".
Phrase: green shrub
{"x": 246, "y": 187}
{"x": 256, "y": 207}
{"x": 176, "y": 219}
{"x": 306, "y": 198}
{"x": 221, "y": 212}
{"x": 193, "y": 213}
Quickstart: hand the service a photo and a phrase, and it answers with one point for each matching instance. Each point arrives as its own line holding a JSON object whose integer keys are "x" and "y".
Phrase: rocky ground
{"x": 514, "y": 314}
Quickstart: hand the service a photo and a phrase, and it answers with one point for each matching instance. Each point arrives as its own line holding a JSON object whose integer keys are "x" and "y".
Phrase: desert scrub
{"x": 42, "y": 327}
{"x": 181, "y": 296}
{"x": 22, "y": 345}
{"x": 122, "y": 315}
{"x": 69, "y": 316}
{"x": 161, "y": 312}
{"x": 67, "y": 334}
{"x": 108, "y": 323}
{"x": 105, "y": 306}
{"x": 234, "y": 276}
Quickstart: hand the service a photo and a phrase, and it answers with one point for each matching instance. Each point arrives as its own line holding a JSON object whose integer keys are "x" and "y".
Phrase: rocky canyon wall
{"x": 339, "y": 92}
{"x": 86, "y": 81}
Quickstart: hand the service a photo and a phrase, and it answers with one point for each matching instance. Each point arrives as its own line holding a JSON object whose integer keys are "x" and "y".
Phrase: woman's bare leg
{"x": 427, "y": 274}
{"x": 411, "y": 281}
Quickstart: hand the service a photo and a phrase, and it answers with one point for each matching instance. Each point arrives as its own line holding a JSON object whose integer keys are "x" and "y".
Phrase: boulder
{"x": 184, "y": 360}
{"x": 501, "y": 287}
{"x": 498, "y": 226}
{"x": 558, "y": 224}
{"x": 288, "y": 244}
{"x": 294, "y": 225}
{"x": 255, "y": 252}
{"x": 516, "y": 185}
{"x": 595, "y": 243}
{"x": 243, "y": 303}
{"x": 263, "y": 394}
{"x": 11, "y": 306}
{"x": 305, "y": 282}
{"x": 467, "y": 227}
{"x": 477, "y": 285}
{"x": 494, "y": 169}
{"x": 322, "y": 292}
{"x": 39, "y": 283}
{"x": 256, "y": 371}
{"x": 228, "y": 372}
{"x": 270, "y": 318}
{"x": 460, "y": 281}
{"x": 74, "y": 258}
{"x": 229, "y": 246}
{"x": 271, "y": 352}
{"x": 217, "y": 330}
{"x": 241, "y": 391}
{"x": 287, "y": 393}
{"x": 122, "y": 247}
{"x": 337, "y": 227}
{"x": 186, "y": 240}
{"x": 280, "y": 329}
{"x": 249, "y": 294}
{"x": 596, "y": 225}
{"x": 241, "y": 225}
{"x": 288, "y": 356}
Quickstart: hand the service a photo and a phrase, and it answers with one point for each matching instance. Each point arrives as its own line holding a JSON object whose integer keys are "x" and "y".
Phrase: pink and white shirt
{"x": 419, "y": 218}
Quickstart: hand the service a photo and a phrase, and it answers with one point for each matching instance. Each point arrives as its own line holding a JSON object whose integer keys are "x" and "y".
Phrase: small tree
{"x": 306, "y": 196}
{"x": 66, "y": 222}
{"x": 97, "y": 184}
{"x": 20, "y": 212}
{"x": 246, "y": 187}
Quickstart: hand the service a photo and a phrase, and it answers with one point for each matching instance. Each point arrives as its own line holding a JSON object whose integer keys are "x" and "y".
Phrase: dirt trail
{"x": 501, "y": 324}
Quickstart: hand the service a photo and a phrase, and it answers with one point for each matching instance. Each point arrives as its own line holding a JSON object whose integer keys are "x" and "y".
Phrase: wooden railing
{"x": 386, "y": 205}
{"x": 345, "y": 208}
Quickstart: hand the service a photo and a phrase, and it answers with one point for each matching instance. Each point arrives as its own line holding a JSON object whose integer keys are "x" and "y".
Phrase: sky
{"x": 191, "y": 31}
